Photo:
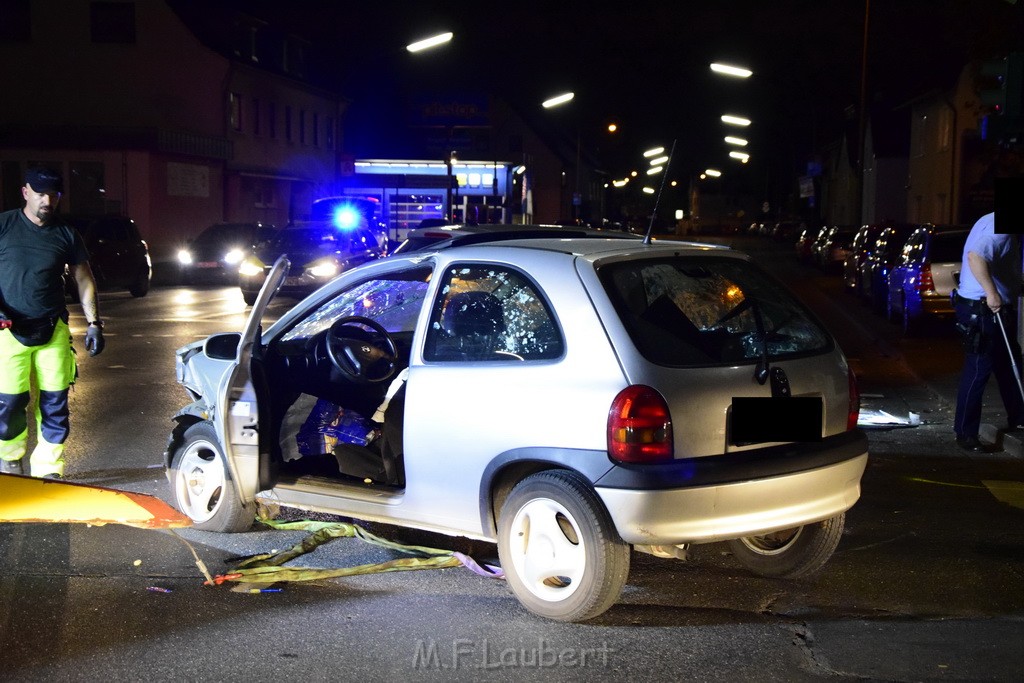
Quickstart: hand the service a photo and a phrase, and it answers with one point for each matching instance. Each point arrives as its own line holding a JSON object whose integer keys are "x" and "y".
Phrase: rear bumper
{"x": 937, "y": 304}
{"x": 731, "y": 508}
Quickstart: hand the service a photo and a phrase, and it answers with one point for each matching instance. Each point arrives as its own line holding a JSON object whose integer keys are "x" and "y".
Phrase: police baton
{"x": 1009, "y": 352}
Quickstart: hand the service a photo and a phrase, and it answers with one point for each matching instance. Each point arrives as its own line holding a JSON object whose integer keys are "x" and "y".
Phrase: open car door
{"x": 238, "y": 422}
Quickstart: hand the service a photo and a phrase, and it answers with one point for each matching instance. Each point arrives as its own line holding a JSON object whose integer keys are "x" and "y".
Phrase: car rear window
{"x": 948, "y": 247}
{"x": 683, "y": 312}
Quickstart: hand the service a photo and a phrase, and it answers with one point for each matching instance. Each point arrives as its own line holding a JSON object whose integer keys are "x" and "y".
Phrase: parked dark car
{"x": 118, "y": 255}
{"x": 832, "y": 249}
{"x": 874, "y": 278}
{"x": 925, "y": 275}
{"x": 215, "y": 254}
{"x": 860, "y": 250}
{"x": 784, "y": 231}
{"x": 805, "y": 242}
{"x": 318, "y": 251}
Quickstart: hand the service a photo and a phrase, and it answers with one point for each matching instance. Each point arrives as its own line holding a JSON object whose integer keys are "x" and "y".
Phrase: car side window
{"x": 485, "y": 312}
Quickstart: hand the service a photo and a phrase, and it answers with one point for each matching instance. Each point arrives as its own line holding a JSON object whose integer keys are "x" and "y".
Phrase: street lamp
{"x": 427, "y": 43}
{"x": 735, "y": 120}
{"x": 728, "y": 70}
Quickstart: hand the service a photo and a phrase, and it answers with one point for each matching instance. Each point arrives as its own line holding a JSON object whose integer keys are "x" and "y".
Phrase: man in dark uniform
{"x": 35, "y": 248}
{"x": 990, "y": 283}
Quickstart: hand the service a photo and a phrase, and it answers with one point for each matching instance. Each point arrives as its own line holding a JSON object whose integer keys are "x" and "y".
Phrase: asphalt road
{"x": 927, "y": 583}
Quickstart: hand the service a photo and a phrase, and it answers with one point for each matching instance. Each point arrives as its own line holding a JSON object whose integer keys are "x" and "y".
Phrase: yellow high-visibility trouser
{"x": 55, "y": 369}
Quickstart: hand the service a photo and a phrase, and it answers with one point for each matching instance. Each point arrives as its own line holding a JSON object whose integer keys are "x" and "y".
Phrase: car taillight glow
{"x": 925, "y": 283}
{"x": 854, "y": 413}
{"x": 639, "y": 426}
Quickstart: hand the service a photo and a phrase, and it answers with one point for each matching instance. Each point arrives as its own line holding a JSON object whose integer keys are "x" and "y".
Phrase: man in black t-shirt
{"x": 35, "y": 248}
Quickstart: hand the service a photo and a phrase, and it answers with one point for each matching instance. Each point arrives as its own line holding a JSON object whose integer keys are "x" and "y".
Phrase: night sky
{"x": 644, "y": 65}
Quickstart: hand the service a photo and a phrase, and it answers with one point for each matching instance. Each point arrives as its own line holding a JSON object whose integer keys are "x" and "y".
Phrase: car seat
{"x": 472, "y": 323}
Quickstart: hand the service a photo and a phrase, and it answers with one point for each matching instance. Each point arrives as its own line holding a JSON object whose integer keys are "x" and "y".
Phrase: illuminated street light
{"x": 648, "y": 190}
{"x": 728, "y": 70}
{"x": 612, "y": 127}
{"x": 735, "y": 141}
{"x": 653, "y": 152}
{"x": 735, "y": 120}
{"x": 659, "y": 161}
{"x": 654, "y": 170}
{"x": 557, "y": 100}
{"x": 713, "y": 173}
{"x": 428, "y": 43}
{"x": 742, "y": 156}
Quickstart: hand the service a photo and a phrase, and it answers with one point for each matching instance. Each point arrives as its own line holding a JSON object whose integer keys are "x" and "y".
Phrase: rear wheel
{"x": 202, "y": 486}
{"x": 791, "y": 553}
{"x": 560, "y": 552}
{"x": 141, "y": 285}
{"x": 249, "y": 297}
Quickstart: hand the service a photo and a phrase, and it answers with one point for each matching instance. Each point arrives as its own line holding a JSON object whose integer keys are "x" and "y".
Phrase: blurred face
{"x": 39, "y": 206}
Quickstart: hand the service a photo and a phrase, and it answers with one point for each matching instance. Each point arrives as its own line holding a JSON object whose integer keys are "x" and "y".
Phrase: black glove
{"x": 94, "y": 340}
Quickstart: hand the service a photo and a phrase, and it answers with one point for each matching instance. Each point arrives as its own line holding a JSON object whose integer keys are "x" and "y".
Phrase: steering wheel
{"x": 366, "y": 356}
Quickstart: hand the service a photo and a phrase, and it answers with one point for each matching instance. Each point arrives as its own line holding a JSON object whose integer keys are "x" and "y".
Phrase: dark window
{"x": 15, "y": 20}
{"x": 288, "y": 123}
{"x": 255, "y": 116}
{"x": 235, "y": 111}
{"x": 272, "y": 119}
{"x": 316, "y": 129}
{"x": 329, "y": 132}
{"x": 112, "y": 22}
{"x": 302, "y": 126}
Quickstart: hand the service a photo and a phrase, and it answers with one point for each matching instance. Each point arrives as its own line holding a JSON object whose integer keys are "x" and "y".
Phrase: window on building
{"x": 288, "y": 123}
{"x": 255, "y": 116}
{"x": 302, "y": 126}
{"x": 235, "y": 111}
{"x": 112, "y": 22}
{"x": 316, "y": 129}
{"x": 16, "y": 23}
{"x": 272, "y": 119}
{"x": 329, "y": 132}
{"x": 944, "y": 129}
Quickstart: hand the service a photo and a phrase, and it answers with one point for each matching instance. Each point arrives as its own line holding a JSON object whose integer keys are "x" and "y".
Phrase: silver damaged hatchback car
{"x": 569, "y": 399}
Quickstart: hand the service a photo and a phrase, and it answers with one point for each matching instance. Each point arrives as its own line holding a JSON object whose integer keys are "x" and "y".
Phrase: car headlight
{"x": 184, "y": 257}
{"x": 324, "y": 268}
{"x": 234, "y": 256}
{"x": 251, "y": 267}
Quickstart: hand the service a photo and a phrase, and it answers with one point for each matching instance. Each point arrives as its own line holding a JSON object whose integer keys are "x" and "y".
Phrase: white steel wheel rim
{"x": 774, "y": 543}
{"x": 200, "y": 481}
{"x": 547, "y": 550}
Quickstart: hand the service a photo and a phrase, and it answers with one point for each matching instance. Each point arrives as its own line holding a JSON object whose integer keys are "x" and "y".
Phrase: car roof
{"x": 588, "y": 246}
{"x": 444, "y": 236}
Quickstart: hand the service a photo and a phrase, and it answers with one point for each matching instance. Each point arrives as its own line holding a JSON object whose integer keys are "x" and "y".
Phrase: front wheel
{"x": 792, "y": 553}
{"x": 201, "y": 483}
{"x": 249, "y": 297}
{"x": 560, "y": 552}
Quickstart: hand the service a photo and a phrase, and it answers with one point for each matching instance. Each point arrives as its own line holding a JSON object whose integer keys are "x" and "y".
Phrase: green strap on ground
{"x": 267, "y": 568}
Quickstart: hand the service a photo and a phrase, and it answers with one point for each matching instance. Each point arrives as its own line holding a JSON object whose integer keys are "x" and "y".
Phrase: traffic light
{"x": 1002, "y": 85}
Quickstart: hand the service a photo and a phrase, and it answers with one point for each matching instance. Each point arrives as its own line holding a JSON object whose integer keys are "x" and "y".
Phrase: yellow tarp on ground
{"x": 28, "y": 499}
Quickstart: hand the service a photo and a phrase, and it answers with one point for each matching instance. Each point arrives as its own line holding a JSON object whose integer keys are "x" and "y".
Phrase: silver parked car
{"x": 568, "y": 399}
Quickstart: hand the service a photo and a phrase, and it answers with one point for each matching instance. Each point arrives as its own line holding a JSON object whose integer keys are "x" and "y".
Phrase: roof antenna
{"x": 664, "y": 174}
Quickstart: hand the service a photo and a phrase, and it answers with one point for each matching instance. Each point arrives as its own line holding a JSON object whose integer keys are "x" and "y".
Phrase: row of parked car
{"x": 905, "y": 271}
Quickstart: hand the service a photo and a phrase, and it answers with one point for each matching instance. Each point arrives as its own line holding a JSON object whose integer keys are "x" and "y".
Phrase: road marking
{"x": 944, "y": 483}
{"x": 1009, "y": 492}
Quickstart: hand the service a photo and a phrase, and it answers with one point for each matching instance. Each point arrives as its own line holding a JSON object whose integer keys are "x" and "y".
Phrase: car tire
{"x": 561, "y": 554}
{"x": 249, "y": 297}
{"x": 791, "y": 553}
{"x": 201, "y": 483}
{"x": 140, "y": 287}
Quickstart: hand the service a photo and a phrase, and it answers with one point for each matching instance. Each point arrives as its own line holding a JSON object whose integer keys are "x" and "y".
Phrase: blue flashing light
{"x": 346, "y": 217}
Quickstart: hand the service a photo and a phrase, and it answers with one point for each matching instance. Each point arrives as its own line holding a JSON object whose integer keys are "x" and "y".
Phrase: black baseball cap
{"x": 43, "y": 179}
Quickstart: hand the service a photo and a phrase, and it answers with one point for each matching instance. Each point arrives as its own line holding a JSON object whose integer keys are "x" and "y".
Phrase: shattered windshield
{"x": 394, "y": 301}
{"x": 706, "y": 311}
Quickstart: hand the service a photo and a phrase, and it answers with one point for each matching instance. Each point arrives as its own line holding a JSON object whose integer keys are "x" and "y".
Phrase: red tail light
{"x": 854, "y": 413}
{"x": 926, "y": 283}
{"x": 639, "y": 426}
